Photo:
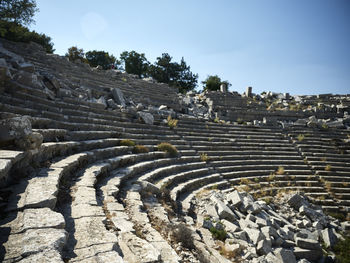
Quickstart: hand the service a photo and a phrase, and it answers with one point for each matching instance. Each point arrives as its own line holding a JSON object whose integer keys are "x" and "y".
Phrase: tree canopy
{"x": 173, "y": 73}
{"x": 213, "y": 82}
{"x": 75, "y": 53}
{"x": 102, "y": 58}
{"x": 134, "y": 63}
{"x": 18, "y": 11}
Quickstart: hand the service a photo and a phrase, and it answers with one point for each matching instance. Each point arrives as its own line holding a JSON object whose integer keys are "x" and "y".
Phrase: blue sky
{"x": 296, "y": 46}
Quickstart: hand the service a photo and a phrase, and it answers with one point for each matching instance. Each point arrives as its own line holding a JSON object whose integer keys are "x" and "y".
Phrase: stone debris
{"x": 283, "y": 235}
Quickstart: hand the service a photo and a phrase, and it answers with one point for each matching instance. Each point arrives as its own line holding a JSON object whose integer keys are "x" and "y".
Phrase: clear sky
{"x": 296, "y": 46}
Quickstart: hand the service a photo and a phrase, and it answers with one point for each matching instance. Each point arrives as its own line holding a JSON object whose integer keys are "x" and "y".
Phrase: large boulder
{"x": 18, "y": 131}
{"x": 118, "y": 97}
{"x": 146, "y": 117}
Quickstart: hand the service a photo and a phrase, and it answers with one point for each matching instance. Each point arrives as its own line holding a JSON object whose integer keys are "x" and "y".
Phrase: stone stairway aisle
{"x": 327, "y": 152}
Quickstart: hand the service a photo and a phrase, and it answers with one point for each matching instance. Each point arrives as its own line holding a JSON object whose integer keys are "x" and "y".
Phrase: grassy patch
{"x": 204, "y": 157}
{"x": 172, "y": 123}
{"x": 218, "y": 234}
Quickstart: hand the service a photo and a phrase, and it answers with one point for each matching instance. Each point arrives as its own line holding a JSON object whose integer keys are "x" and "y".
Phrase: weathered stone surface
{"x": 148, "y": 187}
{"x": 284, "y": 255}
{"x": 136, "y": 249}
{"x": 296, "y": 201}
{"x": 311, "y": 255}
{"x": 35, "y": 241}
{"x": 225, "y": 212}
{"x": 15, "y": 128}
{"x": 118, "y": 97}
{"x": 329, "y": 238}
{"x": 146, "y": 117}
{"x": 30, "y": 142}
{"x": 47, "y": 256}
{"x": 230, "y": 227}
{"x": 308, "y": 244}
{"x": 263, "y": 247}
{"x": 235, "y": 198}
{"x": 254, "y": 235}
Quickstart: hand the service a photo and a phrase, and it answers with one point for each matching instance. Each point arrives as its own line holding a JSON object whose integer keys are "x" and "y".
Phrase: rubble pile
{"x": 288, "y": 230}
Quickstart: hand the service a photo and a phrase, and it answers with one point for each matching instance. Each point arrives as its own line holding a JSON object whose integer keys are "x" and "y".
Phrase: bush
{"x": 204, "y": 157}
{"x": 218, "y": 234}
{"x": 140, "y": 149}
{"x": 127, "y": 142}
{"x": 280, "y": 170}
{"x": 181, "y": 233}
{"x": 328, "y": 168}
{"x": 301, "y": 137}
{"x": 172, "y": 123}
{"x": 18, "y": 33}
{"x": 168, "y": 148}
{"x": 342, "y": 249}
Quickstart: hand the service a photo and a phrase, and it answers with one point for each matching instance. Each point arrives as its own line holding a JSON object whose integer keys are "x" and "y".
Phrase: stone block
{"x": 284, "y": 255}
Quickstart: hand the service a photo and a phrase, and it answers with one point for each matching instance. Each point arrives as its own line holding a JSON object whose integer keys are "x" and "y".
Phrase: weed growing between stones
{"x": 140, "y": 149}
{"x": 301, "y": 137}
{"x": 328, "y": 168}
{"x": 218, "y": 234}
{"x": 168, "y": 148}
{"x": 342, "y": 249}
{"x": 280, "y": 170}
{"x": 172, "y": 123}
{"x": 127, "y": 142}
{"x": 204, "y": 157}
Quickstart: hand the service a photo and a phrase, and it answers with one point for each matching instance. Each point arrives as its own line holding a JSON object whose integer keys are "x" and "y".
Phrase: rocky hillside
{"x": 100, "y": 166}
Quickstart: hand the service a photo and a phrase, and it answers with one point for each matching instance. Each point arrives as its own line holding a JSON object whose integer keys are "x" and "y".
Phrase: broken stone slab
{"x": 225, "y": 212}
{"x": 30, "y": 142}
{"x": 230, "y": 227}
{"x": 106, "y": 252}
{"x": 263, "y": 247}
{"x": 311, "y": 255}
{"x": 296, "y": 201}
{"x": 136, "y": 249}
{"x": 46, "y": 256}
{"x": 118, "y": 97}
{"x": 254, "y": 235}
{"x": 29, "y": 67}
{"x": 146, "y": 117}
{"x": 269, "y": 231}
{"x": 35, "y": 241}
{"x": 284, "y": 255}
{"x": 15, "y": 128}
{"x": 235, "y": 198}
{"x": 308, "y": 243}
{"x": 329, "y": 237}
{"x": 147, "y": 187}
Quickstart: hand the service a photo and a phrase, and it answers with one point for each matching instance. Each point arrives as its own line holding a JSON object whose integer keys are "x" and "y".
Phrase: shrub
{"x": 328, "y": 167}
{"x": 172, "y": 123}
{"x": 301, "y": 137}
{"x": 240, "y": 121}
{"x": 342, "y": 249}
{"x": 204, "y": 157}
{"x": 280, "y": 170}
{"x": 181, "y": 233}
{"x": 218, "y": 234}
{"x": 140, "y": 149}
{"x": 15, "y": 32}
{"x": 168, "y": 148}
{"x": 127, "y": 142}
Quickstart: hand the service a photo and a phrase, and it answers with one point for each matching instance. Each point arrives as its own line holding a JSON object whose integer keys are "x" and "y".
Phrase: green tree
{"x": 175, "y": 74}
{"x": 100, "y": 58}
{"x": 213, "y": 82}
{"x": 135, "y": 63}
{"x": 18, "y": 11}
{"x": 75, "y": 53}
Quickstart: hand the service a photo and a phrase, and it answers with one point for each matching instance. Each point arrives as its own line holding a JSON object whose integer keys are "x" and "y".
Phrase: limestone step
{"x": 256, "y": 173}
{"x": 258, "y": 161}
{"x": 7, "y": 160}
{"x": 161, "y": 172}
{"x": 170, "y": 181}
{"x": 190, "y": 185}
{"x": 47, "y": 180}
{"x": 253, "y": 157}
{"x": 248, "y": 152}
